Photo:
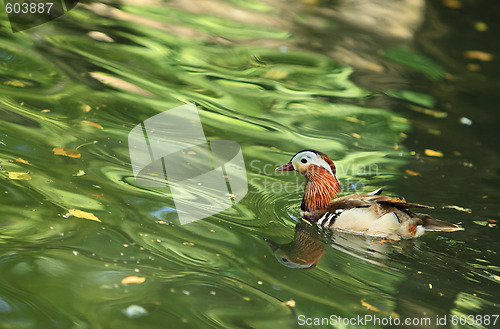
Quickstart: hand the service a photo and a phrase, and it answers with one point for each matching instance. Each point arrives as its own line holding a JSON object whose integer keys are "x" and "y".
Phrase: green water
{"x": 276, "y": 78}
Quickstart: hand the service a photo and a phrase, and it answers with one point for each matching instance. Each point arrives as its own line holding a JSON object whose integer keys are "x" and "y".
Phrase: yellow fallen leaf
{"x": 84, "y": 215}
{"x": 480, "y": 55}
{"x": 133, "y": 279}
{"x": 433, "y": 153}
{"x": 290, "y": 303}
{"x": 14, "y": 83}
{"x": 86, "y": 108}
{"x": 355, "y": 120}
{"x": 80, "y": 173}
{"x": 66, "y": 152}
{"x": 22, "y": 161}
{"x": 93, "y": 124}
{"x": 496, "y": 277}
{"x": 98, "y": 195}
{"x": 355, "y": 135}
{"x": 412, "y": 173}
{"x": 19, "y": 175}
{"x": 45, "y": 111}
{"x": 369, "y": 306}
{"x": 275, "y": 74}
{"x": 430, "y": 112}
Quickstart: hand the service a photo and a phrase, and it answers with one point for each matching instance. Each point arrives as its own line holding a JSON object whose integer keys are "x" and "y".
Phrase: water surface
{"x": 276, "y": 78}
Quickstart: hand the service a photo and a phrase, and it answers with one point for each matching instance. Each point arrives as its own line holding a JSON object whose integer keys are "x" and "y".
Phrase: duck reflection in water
{"x": 310, "y": 243}
{"x": 304, "y": 251}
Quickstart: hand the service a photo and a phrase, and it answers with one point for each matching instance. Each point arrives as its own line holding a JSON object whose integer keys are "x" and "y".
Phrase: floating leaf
{"x": 80, "y": 173}
{"x": 86, "y": 108}
{"x": 84, "y": 215}
{"x": 480, "y": 55}
{"x": 433, "y": 153}
{"x": 99, "y": 36}
{"x": 66, "y": 152}
{"x": 355, "y": 120}
{"x": 480, "y": 222}
{"x": 434, "y": 113}
{"x": 133, "y": 279}
{"x": 120, "y": 84}
{"x": 459, "y": 208}
{"x": 14, "y": 83}
{"x": 93, "y": 124}
{"x": 22, "y": 161}
{"x": 369, "y": 306}
{"x": 275, "y": 74}
{"x": 412, "y": 173}
{"x": 356, "y": 135}
{"x": 19, "y": 175}
{"x": 290, "y": 303}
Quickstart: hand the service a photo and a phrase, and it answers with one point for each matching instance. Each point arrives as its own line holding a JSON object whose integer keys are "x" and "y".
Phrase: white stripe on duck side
{"x": 361, "y": 220}
{"x": 329, "y": 218}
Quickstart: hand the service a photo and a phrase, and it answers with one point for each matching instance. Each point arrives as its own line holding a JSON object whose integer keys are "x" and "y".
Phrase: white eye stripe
{"x": 312, "y": 158}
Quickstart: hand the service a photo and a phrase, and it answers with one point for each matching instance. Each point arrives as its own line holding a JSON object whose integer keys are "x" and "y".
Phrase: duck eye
{"x": 284, "y": 259}
{"x": 303, "y": 160}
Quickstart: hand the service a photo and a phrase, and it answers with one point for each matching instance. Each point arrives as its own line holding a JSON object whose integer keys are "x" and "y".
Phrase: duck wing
{"x": 377, "y": 215}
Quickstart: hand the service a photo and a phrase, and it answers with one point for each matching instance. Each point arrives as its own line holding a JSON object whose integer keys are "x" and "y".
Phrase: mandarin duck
{"x": 370, "y": 214}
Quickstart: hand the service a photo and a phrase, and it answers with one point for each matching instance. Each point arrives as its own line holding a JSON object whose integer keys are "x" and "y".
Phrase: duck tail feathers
{"x": 436, "y": 225}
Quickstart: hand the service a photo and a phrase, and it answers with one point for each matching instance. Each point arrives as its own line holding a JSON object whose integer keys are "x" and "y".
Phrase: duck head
{"x": 322, "y": 183}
